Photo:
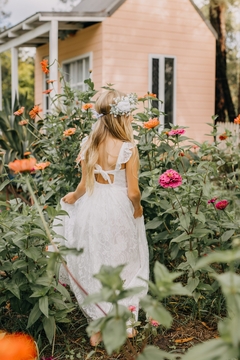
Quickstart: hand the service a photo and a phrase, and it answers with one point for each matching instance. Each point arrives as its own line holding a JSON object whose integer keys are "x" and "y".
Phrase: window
{"x": 76, "y": 70}
{"x": 46, "y": 98}
{"x": 162, "y": 83}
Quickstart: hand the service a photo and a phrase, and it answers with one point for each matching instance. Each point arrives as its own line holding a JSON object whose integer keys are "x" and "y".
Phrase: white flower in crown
{"x": 124, "y": 105}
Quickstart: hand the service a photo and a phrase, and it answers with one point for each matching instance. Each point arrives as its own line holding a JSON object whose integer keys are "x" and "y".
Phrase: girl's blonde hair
{"x": 118, "y": 127}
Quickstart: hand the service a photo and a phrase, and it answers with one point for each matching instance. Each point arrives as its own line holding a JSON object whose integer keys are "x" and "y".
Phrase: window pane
{"x": 155, "y": 80}
{"x": 169, "y": 91}
{"x": 66, "y": 72}
{"x": 79, "y": 75}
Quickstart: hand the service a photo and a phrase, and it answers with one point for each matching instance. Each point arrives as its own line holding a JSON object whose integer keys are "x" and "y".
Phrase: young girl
{"x": 105, "y": 213}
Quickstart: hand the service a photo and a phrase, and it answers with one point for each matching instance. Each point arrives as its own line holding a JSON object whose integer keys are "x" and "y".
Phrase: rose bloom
{"x": 223, "y": 136}
{"x": 212, "y": 201}
{"x": 170, "y": 178}
{"x": 221, "y": 205}
{"x": 176, "y": 132}
{"x": 69, "y": 132}
{"x": 19, "y": 111}
{"x": 23, "y": 165}
{"x": 154, "y": 323}
{"x": 23, "y": 122}
{"x": 87, "y": 106}
{"x": 42, "y": 166}
{"x": 34, "y": 112}
{"x": 44, "y": 64}
{"x": 17, "y": 347}
{"x": 237, "y": 120}
{"x": 151, "y": 123}
{"x": 132, "y": 308}
{"x": 47, "y": 91}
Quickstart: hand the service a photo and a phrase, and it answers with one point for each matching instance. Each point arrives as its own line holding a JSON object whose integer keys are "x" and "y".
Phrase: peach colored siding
{"x": 84, "y": 41}
{"x": 163, "y": 27}
{"x": 121, "y": 46}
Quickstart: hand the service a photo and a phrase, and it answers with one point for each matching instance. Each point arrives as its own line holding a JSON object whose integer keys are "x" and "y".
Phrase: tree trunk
{"x": 223, "y": 98}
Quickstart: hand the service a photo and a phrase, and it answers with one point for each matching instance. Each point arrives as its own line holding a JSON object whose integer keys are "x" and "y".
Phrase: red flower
{"x": 151, "y": 123}
{"x": 35, "y": 111}
{"x": 19, "y": 111}
{"x": 17, "y": 347}
{"x": 23, "y": 165}
{"x": 132, "y": 308}
{"x": 44, "y": 64}
{"x": 154, "y": 323}
{"x": 170, "y": 178}
{"x": 221, "y": 205}
{"x": 223, "y": 136}
{"x": 47, "y": 91}
{"x": 212, "y": 201}
{"x": 176, "y": 132}
{"x": 23, "y": 122}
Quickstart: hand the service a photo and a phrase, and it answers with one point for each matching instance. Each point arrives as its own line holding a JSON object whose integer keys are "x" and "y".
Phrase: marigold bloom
{"x": 69, "y": 132}
{"x": 50, "y": 81}
{"x": 23, "y": 165}
{"x": 176, "y": 132}
{"x": 23, "y": 122}
{"x": 170, "y": 178}
{"x": 237, "y": 120}
{"x": 150, "y": 95}
{"x": 154, "y": 323}
{"x": 87, "y": 106}
{"x": 221, "y": 205}
{"x": 35, "y": 111}
{"x": 19, "y": 111}
{"x": 17, "y": 347}
{"x": 132, "y": 308}
{"x": 223, "y": 136}
{"x": 151, "y": 123}
{"x": 44, "y": 64}
{"x": 42, "y": 166}
{"x": 212, "y": 201}
{"x": 47, "y": 91}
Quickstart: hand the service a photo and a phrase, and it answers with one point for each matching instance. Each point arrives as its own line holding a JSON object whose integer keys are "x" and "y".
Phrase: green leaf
{"x": 185, "y": 221}
{"x": 34, "y": 315}
{"x": 5, "y": 183}
{"x": 153, "y": 353}
{"x": 33, "y": 253}
{"x": 49, "y": 327}
{"x": 153, "y": 224}
{"x": 38, "y": 233}
{"x": 156, "y": 311}
{"x": 227, "y": 235}
{"x": 215, "y": 349}
{"x": 181, "y": 237}
{"x": 43, "y": 305}
{"x": 218, "y": 256}
{"x": 192, "y": 283}
{"x": 147, "y": 192}
{"x": 114, "y": 334}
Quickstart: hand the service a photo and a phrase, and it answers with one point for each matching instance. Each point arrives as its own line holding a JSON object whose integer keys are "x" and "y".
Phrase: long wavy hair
{"x": 118, "y": 127}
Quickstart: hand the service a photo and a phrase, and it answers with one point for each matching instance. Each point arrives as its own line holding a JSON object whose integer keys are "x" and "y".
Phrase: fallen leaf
{"x": 180, "y": 341}
{"x": 206, "y": 326}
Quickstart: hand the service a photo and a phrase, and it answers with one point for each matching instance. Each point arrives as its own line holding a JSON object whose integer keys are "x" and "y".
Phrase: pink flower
{"x": 154, "y": 323}
{"x": 212, "y": 201}
{"x": 170, "y": 178}
{"x": 221, "y": 205}
{"x": 176, "y": 132}
{"x": 132, "y": 308}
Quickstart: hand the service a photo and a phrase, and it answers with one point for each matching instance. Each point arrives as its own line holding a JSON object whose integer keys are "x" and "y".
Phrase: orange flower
{"x": 44, "y": 64}
{"x": 47, "y": 91}
{"x": 22, "y": 165}
{"x": 50, "y": 81}
{"x": 150, "y": 95}
{"x": 223, "y": 136}
{"x": 19, "y": 111}
{"x": 14, "y": 258}
{"x": 42, "y": 166}
{"x": 27, "y": 153}
{"x": 237, "y": 120}
{"x": 69, "y": 132}
{"x": 23, "y": 122}
{"x": 87, "y": 106}
{"x": 34, "y": 112}
{"x": 151, "y": 123}
{"x": 17, "y": 347}
{"x": 64, "y": 117}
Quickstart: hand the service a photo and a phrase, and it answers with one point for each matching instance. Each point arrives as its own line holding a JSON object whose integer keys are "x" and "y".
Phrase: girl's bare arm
{"x": 73, "y": 196}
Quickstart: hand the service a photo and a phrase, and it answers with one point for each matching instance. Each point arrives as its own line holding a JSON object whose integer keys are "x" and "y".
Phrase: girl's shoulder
{"x": 125, "y": 153}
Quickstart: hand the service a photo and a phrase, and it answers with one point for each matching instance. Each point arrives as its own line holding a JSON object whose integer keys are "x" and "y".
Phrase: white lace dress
{"x": 103, "y": 225}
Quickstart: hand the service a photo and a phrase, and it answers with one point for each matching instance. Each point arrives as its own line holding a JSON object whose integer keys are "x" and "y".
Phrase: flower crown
{"x": 124, "y": 105}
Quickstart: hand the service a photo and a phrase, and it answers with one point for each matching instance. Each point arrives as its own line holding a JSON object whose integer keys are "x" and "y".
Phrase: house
{"x": 165, "y": 47}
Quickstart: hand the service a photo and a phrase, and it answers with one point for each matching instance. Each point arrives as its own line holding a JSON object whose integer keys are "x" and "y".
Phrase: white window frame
{"x": 45, "y": 86}
{"x": 161, "y": 89}
{"x": 76, "y": 58}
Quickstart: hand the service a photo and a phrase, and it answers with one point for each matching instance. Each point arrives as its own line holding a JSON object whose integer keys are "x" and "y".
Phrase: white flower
{"x": 124, "y": 105}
